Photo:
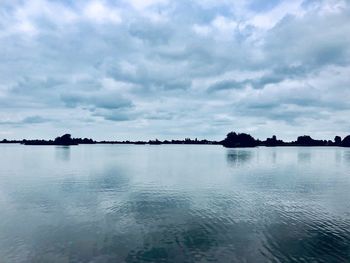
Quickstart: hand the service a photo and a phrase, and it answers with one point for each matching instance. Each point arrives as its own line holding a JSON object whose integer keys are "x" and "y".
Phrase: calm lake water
{"x": 174, "y": 203}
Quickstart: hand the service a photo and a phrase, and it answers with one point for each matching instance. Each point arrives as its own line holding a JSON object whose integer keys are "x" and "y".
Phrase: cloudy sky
{"x": 142, "y": 69}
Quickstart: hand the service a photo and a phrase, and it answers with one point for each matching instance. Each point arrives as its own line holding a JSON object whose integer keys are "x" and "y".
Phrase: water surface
{"x": 174, "y": 203}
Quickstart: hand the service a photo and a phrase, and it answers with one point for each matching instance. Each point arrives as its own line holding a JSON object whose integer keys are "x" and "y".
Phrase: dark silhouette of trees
{"x": 10, "y": 141}
{"x": 83, "y": 141}
{"x": 155, "y": 142}
{"x": 308, "y": 141}
{"x": 271, "y": 142}
{"x": 140, "y": 142}
{"x": 337, "y": 141}
{"x": 65, "y": 140}
{"x": 234, "y": 140}
{"x": 37, "y": 142}
{"x": 346, "y": 141}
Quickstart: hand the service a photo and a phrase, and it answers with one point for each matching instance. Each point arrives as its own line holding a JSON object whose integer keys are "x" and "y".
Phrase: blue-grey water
{"x": 174, "y": 203}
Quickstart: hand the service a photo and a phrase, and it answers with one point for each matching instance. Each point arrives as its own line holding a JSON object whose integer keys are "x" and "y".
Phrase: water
{"x": 173, "y": 203}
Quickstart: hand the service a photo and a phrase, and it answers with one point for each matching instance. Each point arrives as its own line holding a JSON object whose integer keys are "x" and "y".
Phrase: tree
{"x": 239, "y": 140}
{"x": 346, "y": 141}
{"x": 65, "y": 139}
{"x": 337, "y": 140}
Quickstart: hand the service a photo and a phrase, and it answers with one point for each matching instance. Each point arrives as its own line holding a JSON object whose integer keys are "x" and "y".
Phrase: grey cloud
{"x": 28, "y": 86}
{"x": 105, "y": 101}
{"x": 268, "y": 79}
{"x": 283, "y": 113}
{"x": 261, "y": 6}
{"x": 276, "y": 76}
{"x": 108, "y": 105}
{"x": 151, "y": 78}
{"x": 35, "y": 119}
{"x": 227, "y": 84}
{"x": 41, "y": 92}
{"x": 114, "y": 115}
{"x": 161, "y": 116}
{"x": 153, "y": 34}
{"x": 280, "y": 74}
{"x": 27, "y": 120}
{"x": 320, "y": 43}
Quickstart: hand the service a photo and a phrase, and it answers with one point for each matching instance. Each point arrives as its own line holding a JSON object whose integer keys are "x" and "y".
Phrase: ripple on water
{"x": 306, "y": 236}
{"x": 175, "y": 204}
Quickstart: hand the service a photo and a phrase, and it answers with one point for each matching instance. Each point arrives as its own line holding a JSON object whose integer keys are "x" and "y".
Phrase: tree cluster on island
{"x": 232, "y": 140}
{"x": 64, "y": 140}
{"x": 235, "y": 140}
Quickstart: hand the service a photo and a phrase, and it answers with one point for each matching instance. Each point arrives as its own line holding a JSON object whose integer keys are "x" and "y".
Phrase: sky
{"x": 146, "y": 69}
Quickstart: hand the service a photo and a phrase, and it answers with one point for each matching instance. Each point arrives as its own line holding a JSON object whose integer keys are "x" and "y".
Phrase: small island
{"x": 239, "y": 140}
{"x": 64, "y": 140}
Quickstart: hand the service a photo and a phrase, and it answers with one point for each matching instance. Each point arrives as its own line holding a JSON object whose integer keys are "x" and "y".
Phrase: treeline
{"x": 158, "y": 142}
{"x": 232, "y": 140}
{"x": 62, "y": 140}
{"x": 235, "y": 140}
{"x": 67, "y": 139}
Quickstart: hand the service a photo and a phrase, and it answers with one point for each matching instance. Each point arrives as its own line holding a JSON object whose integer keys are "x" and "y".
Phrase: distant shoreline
{"x": 232, "y": 140}
{"x": 147, "y": 144}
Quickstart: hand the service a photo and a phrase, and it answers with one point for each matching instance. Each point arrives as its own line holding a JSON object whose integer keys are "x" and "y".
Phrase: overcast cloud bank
{"x": 172, "y": 69}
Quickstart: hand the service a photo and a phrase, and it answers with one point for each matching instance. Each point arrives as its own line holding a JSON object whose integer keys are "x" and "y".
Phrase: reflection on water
{"x": 304, "y": 155}
{"x": 238, "y": 157}
{"x": 347, "y": 157}
{"x": 338, "y": 157}
{"x": 62, "y": 153}
{"x": 118, "y": 203}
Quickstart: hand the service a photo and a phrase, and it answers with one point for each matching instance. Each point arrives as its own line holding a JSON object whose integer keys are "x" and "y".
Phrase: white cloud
{"x": 99, "y": 12}
{"x": 201, "y": 30}
{"x": 269, "y": 19}
{"x": 224, "y": 24}
{"x": 142, "y": 4}
{"x": 26, "y": 27}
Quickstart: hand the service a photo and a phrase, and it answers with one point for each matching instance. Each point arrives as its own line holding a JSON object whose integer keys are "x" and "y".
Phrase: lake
{"x": 174, "y": 203}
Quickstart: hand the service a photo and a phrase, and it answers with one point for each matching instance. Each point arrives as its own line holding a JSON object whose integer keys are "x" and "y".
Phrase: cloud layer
{"x": 169, "y": 69}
